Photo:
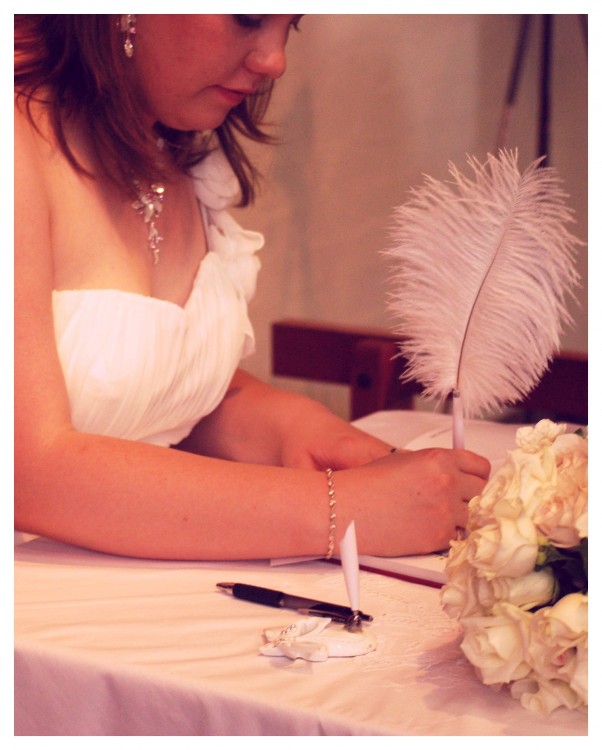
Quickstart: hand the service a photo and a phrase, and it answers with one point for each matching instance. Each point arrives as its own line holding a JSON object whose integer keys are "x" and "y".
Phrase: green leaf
{"x": 568, "y": 566}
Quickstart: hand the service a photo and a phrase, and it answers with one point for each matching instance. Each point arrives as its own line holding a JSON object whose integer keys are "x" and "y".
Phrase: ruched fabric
{"x": 146, "y": 369}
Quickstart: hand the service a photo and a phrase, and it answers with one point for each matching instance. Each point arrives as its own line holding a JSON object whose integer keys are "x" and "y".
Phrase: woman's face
{"x": 194, "y": 68}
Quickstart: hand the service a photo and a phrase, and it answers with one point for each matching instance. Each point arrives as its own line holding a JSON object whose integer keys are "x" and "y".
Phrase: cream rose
{"x": 565, "y": 623}
{"x": 558, "y": 639}
{"x": 575, "y": 673}
{"x": 525, "y": 481}
{"x": 568, "y": 620}
{"x": 464, "y": 593}
{"x": 506, "y": 548}
{"x": 533, "y": 439}
{"x": 526, "y": 592}
{"x": 562, "y": 519}
{"x": 500, "y": 494}
{"x": 538, "y": 477}
{"x": 496, "y": 645}
{"x": 562, "y": 515}
{"x": 543, "y": 696}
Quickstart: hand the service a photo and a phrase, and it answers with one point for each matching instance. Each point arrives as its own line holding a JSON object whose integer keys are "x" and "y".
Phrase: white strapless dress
{"x": 145, "y": 369}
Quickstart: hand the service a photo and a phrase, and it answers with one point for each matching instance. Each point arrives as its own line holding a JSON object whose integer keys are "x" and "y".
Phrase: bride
{"x": 136, "y": 431}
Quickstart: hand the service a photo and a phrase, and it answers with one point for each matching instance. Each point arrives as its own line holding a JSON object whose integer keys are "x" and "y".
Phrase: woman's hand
{"x": 411, "y": 502}
{"x": 257, "y": 423}
{"x": 317, "y": 439}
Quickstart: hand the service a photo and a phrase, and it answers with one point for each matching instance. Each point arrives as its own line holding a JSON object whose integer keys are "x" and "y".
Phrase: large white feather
{"x": 482, "y": 270}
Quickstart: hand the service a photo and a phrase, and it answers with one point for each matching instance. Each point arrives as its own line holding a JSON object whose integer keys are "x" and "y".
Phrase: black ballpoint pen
{"x": 279, "y": 599}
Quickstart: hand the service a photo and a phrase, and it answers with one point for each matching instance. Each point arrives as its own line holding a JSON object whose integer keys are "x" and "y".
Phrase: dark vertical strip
{"x": 513, "y": 83}
{"x": 543, "y": 147}
{"x": 584, "y": 31}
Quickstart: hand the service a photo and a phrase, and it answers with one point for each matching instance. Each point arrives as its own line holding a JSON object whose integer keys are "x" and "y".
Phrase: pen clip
{"x": 353, "y": 620}
{"x": 336, "y": 616}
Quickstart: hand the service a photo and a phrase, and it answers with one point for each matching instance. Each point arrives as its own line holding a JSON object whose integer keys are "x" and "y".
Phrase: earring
{"x": 128, "y": 29}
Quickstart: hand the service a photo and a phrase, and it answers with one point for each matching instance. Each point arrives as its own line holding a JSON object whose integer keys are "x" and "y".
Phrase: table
{"x": 113, "y": 646}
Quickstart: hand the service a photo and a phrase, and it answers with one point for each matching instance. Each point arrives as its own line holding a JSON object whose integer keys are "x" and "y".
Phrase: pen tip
{"x": 225, "y": 586}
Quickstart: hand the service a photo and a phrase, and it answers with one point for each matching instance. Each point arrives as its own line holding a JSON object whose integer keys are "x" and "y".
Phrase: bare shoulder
{"x": 33, "y": 264}
{"x": 34, "y": 143}
{"x": 31, "y": 194}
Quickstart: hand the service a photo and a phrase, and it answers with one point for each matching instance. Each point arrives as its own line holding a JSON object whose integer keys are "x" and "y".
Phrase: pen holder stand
{"x": 312, "y": 640}
{"x": 354, "y": 623}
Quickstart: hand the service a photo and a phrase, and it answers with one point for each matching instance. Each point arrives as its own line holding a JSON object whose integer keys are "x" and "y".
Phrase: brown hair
{"x": 75, "y": 65}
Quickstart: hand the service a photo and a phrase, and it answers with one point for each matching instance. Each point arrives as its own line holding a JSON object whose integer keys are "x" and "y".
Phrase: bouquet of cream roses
{"x": 518, "y": 581}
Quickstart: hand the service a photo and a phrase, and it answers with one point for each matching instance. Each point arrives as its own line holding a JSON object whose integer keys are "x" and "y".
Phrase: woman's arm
{"x": 116, "y": 495}
{"x": 261, "y": 424}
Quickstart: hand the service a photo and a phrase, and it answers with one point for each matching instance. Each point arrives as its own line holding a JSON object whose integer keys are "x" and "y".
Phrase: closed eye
{"x": 249, "y": 21}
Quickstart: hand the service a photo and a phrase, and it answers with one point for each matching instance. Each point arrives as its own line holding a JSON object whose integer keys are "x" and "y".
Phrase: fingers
{"x": 356, "y": 448}
{"x": 466, "y": 461}
{"x": 472, "y": 463}
{"x": 471, "y": 486}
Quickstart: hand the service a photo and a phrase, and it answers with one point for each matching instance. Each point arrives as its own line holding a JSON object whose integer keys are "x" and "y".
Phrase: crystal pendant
{"x": 150, "y": 205}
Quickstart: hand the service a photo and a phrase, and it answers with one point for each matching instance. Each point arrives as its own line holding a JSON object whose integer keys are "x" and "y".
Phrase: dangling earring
{"x": 128, "y": 29}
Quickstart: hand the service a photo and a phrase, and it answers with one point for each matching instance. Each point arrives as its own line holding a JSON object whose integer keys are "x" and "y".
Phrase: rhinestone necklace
{"x": 148, "y": 205}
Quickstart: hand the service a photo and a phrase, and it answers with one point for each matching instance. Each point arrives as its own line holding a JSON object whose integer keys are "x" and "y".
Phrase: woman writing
{"x": 136, "y": 433}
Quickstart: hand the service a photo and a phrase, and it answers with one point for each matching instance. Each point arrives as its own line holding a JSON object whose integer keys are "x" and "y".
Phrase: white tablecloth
{"x": 113, "y": 646}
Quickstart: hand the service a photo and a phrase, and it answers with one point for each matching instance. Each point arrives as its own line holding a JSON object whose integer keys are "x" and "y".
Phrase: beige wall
{"x": 368, "y": 105}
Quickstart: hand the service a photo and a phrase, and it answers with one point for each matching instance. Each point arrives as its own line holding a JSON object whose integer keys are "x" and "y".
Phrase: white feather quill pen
{"x": 351, "y": 566}
{"x": 482, "y": 271}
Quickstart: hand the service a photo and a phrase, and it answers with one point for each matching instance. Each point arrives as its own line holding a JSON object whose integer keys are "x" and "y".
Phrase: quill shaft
{"x": 457, "y": 420}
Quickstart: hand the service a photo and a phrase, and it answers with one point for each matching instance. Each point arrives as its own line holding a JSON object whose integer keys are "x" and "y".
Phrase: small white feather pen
{"x": 351, "y": 573}
{"x": 482, "y": 270}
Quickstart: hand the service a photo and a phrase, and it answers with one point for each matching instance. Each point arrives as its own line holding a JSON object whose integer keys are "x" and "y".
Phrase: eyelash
{"x": 248, "y": 21}
{"x": 254, "y": 22}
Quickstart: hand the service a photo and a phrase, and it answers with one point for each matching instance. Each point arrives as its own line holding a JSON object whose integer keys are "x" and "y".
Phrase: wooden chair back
{"x": 368, "y": 361}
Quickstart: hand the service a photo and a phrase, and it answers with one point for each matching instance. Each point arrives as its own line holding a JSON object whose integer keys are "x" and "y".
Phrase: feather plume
{"x": 482, "y": 270}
